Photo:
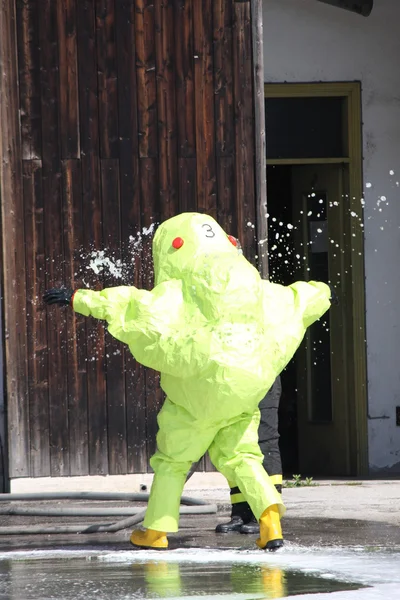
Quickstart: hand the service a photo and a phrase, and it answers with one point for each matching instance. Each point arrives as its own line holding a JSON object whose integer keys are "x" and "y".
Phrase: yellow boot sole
{"x": 149, "y": 538}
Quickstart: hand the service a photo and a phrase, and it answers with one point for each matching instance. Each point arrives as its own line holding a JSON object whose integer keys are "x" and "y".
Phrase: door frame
{"x": 351, "y": 92}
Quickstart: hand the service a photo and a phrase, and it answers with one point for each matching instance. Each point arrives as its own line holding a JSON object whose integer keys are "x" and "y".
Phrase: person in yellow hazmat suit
{"x": 219, "y": 335}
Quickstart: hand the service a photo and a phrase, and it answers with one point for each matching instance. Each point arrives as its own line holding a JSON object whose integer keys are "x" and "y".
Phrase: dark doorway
{"x": 307, "y": 241}
{"x": 283, "y": 269}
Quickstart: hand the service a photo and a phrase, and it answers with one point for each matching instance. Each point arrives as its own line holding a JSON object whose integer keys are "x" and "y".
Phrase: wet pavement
{"x": 123, "y": 574}
{"x": 341, "y": 543}
{"x": 323, "y": 558}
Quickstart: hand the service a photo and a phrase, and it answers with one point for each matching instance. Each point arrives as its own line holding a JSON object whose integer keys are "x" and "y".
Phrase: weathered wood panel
{"x": 166, "y": 108}
{"x": 37, "y": 343}
{"x": 93, "y": 240}
{"x": 51, "y": 157}
{"x": 187, "y": 185}
{"x": 68, "y": 78}
{"x": 13, "y": 248}
{"x": 226, "y": 194}
{"x": 146, "y": 77}
{"x": 29, "y": 78}
{"x": 127, "y": 85}
{"x": 204, "y": 102}
{"x": 115, "y": 376}
{"x": 223, "y": 78}
{"x": 76, "y": 324}
{"x": 151, "y": 215}
{"x": 135, "y": 383}
{"x": 87, "y": 77}
{"x": 244, "y": 129}
{"x": 128, "y": 112}
{"x": 185, "y": 99}
{"x": 107, "y": 77}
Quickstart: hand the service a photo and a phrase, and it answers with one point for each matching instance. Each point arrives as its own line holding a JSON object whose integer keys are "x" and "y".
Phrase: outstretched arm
{"x": 109, "y": 304}
{"x": 308, "y": 300}
{"x": 312, "y": 298}
{"x": 151, "y": 323}
{"x": 104, "y": 305}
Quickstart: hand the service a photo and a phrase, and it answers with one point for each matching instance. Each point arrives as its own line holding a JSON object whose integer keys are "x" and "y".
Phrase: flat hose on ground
{"x": 111, "y": 496}
{"x": 198, "y": 506}
{"x": 96, "y": 512}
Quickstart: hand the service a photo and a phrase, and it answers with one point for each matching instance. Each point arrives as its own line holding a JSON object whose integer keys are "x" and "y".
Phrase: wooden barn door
{"x": 120, "y": 114}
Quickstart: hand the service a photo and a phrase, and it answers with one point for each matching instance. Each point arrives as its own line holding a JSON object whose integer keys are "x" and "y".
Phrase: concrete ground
{"x": 337, "y": 512}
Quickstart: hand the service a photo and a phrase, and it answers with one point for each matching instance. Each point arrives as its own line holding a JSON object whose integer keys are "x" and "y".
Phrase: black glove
{"x": 62, "y": 296}
{"x": 334, "y": 299}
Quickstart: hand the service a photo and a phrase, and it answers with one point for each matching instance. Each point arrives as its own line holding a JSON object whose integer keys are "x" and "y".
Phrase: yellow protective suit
{"x": 219, "y": 335}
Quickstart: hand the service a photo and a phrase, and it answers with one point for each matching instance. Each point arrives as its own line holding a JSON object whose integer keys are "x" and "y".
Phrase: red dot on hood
{"x": 232, "y": 240}
{"x": 177, "y": 243}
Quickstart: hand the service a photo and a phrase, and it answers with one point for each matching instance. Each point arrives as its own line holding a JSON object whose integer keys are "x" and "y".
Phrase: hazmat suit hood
{"x": 214, "y": 273}
{"x": 202, "y": 240}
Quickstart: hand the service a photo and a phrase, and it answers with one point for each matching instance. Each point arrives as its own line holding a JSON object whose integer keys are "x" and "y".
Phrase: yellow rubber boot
{"x": 149, "y": 538}
{"x": 271, "y": 537}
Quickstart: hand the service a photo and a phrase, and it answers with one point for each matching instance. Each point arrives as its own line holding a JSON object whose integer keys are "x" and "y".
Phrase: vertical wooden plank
{"x": 68, "y": 79}
{"x": 36, "y": 320}
{"x": 226, "y": 194}
{"x": 204, "y": 102}
{"x": 48, "y": 38}
{"x": 135, "y": 381}
{"x": 97, "y": 402}
{"x": 244, "y": 129}
{"x": 150, "y": 216}
{"x": 29, "y": 78}
{"x": 56, "y": 317}
{"x": 185, "y": 104}
{"x": 87, "y": 76}
{"x": 115, "y": 376}
{"x": 92, "y": 231}
{"x": 135, "y": 385}
{"x": 12, "y": 212}
{"x": 76, "y": 342}
{"x": 146, "y": 78}
{"x": 223, "y": 78}
{"x": 166, "y": 107}
{"x": 187, "y": 185}
{"x": 107, "y": 77}
{"x": 127, "y": 86}
{"x": 259, "y": 129}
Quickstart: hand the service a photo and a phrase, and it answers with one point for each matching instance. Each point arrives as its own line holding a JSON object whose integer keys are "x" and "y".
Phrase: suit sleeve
{"x": 302, "y": 303}
{"x": 312, "y": 299}
{"x": 154, "y": 323}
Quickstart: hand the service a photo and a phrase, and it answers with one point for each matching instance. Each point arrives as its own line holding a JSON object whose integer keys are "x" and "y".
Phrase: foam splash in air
{"x": 100, "y": 262}
{"x": 108, "y": 261}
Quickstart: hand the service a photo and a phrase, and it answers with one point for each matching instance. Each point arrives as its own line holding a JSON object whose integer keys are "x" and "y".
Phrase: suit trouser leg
{"x": 236, "y": 454}
{"x": 268, "y": 440}
{"x": 179, "y": 444}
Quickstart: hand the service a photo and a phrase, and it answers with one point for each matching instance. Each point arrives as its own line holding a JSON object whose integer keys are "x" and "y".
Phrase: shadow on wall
{"x": 385, "y": 472}
{"x": 362, "y": 7}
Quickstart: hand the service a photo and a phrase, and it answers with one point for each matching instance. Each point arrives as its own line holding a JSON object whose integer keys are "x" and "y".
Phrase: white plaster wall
{"x": 308, "y": 41}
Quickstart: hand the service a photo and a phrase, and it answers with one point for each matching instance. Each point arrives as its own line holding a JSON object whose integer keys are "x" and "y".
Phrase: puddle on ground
{"x": 92, "y": 578}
